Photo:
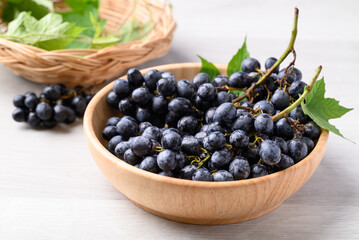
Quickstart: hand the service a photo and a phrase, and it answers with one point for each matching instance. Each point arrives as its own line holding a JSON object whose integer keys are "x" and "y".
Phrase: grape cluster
{"x": 192, "y": 129}
{"x": 56, "y": 104}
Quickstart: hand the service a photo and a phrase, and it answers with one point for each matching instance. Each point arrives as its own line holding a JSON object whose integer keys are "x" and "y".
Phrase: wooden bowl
{"x": 192, "y": 201}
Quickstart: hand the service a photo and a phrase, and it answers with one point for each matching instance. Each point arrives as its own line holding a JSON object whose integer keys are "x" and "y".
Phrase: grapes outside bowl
{"x": 188, "y": 201}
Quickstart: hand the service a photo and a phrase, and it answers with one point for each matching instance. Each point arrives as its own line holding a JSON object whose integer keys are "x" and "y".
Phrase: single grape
{"x": 159, "y": 104}
{"x": 201, "y": 135}
{"x": 142, "y": 127}
{"x": 239, "y": 80}
{"x": 187, "y": 172}
{"x": 265, "y": 107}
{"x": 270, "y": 152}
{"x": 239, "y": 139}
{"x": 152, "y": 132}
{"x": 312, "y": 130}
{"x": 122, "y": 88}
{"x": 112, "y": 99}
{"x": 131, "y": 158}
{"x": 258, "y": 170}
{"x": 264, "y": 124}
{"x": 309, "y": 142}
{"x": 221, "y": 158}
{"x": 79, "y": 104}
{"x": 171, "y": 141}
{"x": 149, "y": 163}
{"x": 220, "y": 81}
{"x": 188, "y": 125}
{"x": 244, "y": 123}
{"x": 52, "y": 93}
{"x": 297, "y": 149}
{"x": 33, "y": 120}
{"x": 112, "y": 121}
{"x": 214, "y": 141}
{"x": 170, "y": 130}
{"x": 202, "y": 104}
{"x": 200, "y": 79}
{"x": 44, "y": 111}
{"x": 71, "y": 116}
{"x": 181, "y": 160}
{"x": 126, "y": 128}
{"x": 207, "y": 92}
{"x": 225, "y": 113}
{"x": 222, "y": 97}
{"x": 222, "y": 176}
{"x": 209, "y": 117}
{"x": 296, "y": 89}
{"x": 180, "y": 106}
{"x": 280, "y": 99}
{"x": 135, "y": 78}
{"x": 272, "y": 82}
{"x": 250, "y": 65}
{"x": 253, "y": 77}
{"x": 60, "y": 113}
{"x": 20, "y": 115}
{"x": 166, "y": 160}
{"x": 202, "y": 174}
{"x": 109, "y": 132}
{"x": 239, "y": 168}
{"x": 31, "y": 102}
{"x": 292, "y": 75}
{"x": 186, "y": 89}
{"x": 127, "y": 106}
{"x": 141, "y": 146}
{"x": 166, "y": 87}
{"x": 215, "y": 127}
{"x": 259, "y": 93}
{"x": 285, "y": 162}
{"x": 19, "y": 101}
{"x": 141, "y": 96}
{"x": 298, "y": 114}
{"x": 283, "y": 129}
{"x": 190, "y": 145}
{"x": 270, "y": 62}
{"x": 143, "y": 114}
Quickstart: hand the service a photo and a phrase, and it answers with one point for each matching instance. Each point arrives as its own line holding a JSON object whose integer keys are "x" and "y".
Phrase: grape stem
{"x": 306, "y": 92}
{"x": 278, "y": 62}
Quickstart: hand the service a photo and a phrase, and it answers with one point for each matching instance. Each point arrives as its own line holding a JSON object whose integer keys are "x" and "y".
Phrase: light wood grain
{"x": 50, "y": 187}
{"x": 191, "y": 201}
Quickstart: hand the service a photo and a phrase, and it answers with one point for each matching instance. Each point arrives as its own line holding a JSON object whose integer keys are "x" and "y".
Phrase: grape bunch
{"x": 56, "y": 104}
{"x": 196, "y": 130}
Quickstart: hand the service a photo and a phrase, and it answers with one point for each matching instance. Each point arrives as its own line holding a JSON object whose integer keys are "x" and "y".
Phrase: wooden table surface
{"x": 50, "y": 188}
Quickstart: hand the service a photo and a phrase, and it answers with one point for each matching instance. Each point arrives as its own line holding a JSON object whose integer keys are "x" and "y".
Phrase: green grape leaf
{"x": 209, "y": 68}
{"x": 235, "y": 64}
{"x": 49, "y": 33}
{"x": 38, "y": 8}
{"x": 133, "y": 30}
{"x": 102, "y": 42}
{"x": 237, "y": 92}
{"x": 81, "y": 6}
{"x": 322, "y": 109}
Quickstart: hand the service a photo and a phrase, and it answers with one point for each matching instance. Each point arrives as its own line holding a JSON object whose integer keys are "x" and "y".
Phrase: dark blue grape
{"x": 222, "y": 97}
{"x": 239, "y": 80}
{"x": 264, "y": 124}
{"x": 44, "y": 111}
{"x": 207, "y": 92}
{"x": 131, "y": 158}
{"x": 265, "y": 107}
{"x": 135, "y": 78}
{"x": 270, "y": 152}
{"x": 52, "y": 93}
{"x": 285, "y": 162}
{"x": 121, "y": 148}
{"x": 296, "y": 89}
{"x": 31, "y": 102}
{"x": 253, "y": 77}
{"x": 180, "y": 106}
{"x": 166, "y": 160}
{"x": 272, "y": 82}
{"x": 171, "y": 141}
{"x": 282, "y": 144}
{"x": 109, "y": 132}
{"x": 283, "y": 129}
{"x": 79, "y": 104}
{"x": 141, "y": 146}
{"x": 244, "y": 123}
{"x": 239, "y": 139}
{"x": 187, "y": 172}
{"x": 222, "y": 176}
{"x": 221, "y": 158}
{"x": 270, "y": 62}
{"x": 114, "y": 142}
{"x": 19, "y": 115}
{"x": 188, "y": 125}
{"x": 166, "y": 87}
{"x": 190, "y": 145}
{"x": 159, "y": 104}
{"x": 202, "y": 174}
{"x": 142, "y": 127}
{"x": 143, "y": 114}
{"x": 297, "y": 149}
{"x": 71, "y": 116}
{"x": 220, "y": 81}
{"x": 19, "y": 101}
{"x": 239, "y": 168}
{"x": 214, "y": 141}
{"x": 112, "y": 121}
{"x": 280, "y": 99}
{"x": 126, "y": 128}
{"x": 112, "y": 99}
{"x": 200, "y": 79}
{"x": 201, "y": 135}
{"x": 309, "y": 142}
{"x": 153, "y": 132}
{"x": 186, "y": 89}
{"x": 258, "y": 170}
{"x": 122, "y": 88}
{"x": 292, "y": 75}
{"x": 127, "y": 106}
{"x": 51, "y": 123}
{"x": 312, "y": 130}
{"x": 141, "y": 96}
{"x": 250, "y": 65}
{"x": 209, "y": 117}
{"x": 225, "y": 113}
{"x": 298, "y": 114}
{"x": 149, "y": 163}
{"x": 33, "y": 120}
{"x": 202, "y": 104}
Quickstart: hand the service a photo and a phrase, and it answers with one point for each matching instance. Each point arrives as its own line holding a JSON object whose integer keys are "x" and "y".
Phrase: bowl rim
{"x": 91, "y": 136}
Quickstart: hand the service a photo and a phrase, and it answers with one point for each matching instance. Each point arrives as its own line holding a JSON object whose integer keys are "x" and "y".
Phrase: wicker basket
{"x": 90, "y": 66}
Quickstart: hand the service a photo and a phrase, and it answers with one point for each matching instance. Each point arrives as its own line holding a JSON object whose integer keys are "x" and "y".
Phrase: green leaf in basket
{"x": 50, "y": 32}
{"x": 81, "y": 6}
{"x": 133, "y": 30}
{"x": 38, "y": 8}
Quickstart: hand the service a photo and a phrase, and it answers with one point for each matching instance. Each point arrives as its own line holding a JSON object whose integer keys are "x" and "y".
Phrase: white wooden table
{"x": 50, "y": 188}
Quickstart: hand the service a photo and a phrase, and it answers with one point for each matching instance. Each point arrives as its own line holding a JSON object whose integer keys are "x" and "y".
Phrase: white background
{"x": 50, "y": 188}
